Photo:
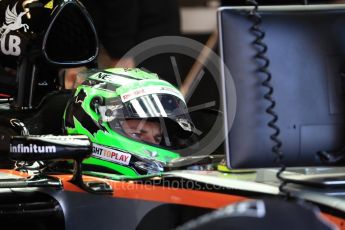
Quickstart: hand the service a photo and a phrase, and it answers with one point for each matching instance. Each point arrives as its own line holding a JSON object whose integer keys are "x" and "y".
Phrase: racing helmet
{"x": 135, "y": 121}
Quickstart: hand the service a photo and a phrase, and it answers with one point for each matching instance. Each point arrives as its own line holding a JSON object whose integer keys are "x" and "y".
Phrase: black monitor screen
{"x": 306, "y": 50}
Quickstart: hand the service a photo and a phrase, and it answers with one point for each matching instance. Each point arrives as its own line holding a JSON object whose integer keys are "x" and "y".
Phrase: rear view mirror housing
{"x": 59, "y": 32}
{"x": 70, "y": 39}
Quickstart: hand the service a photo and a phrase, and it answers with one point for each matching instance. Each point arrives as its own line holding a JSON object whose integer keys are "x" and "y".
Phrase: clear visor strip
{"x": 149, "y": 90}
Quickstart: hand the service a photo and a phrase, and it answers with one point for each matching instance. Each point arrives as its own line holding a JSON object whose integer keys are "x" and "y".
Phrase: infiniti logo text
{"x": 32, "y": 148}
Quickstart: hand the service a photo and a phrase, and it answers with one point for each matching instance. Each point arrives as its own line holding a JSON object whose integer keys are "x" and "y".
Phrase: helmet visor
{"x": 163, "y": 117}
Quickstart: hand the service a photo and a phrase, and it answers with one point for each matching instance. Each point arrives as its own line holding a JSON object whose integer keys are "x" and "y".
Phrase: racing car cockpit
{"x": 117, "y": 167}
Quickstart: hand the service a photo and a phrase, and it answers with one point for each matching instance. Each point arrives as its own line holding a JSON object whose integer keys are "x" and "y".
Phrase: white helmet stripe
{"x": 138, "y": 108}
{"x": 160, "y": 106}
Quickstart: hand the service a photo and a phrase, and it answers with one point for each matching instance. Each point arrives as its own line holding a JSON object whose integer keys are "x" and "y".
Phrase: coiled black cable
{"x": 264, "y": 69}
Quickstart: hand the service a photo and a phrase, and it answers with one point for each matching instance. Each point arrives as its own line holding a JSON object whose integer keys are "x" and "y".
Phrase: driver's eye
{"x": 158, "y": 139}
{"x": 136, "y": 135}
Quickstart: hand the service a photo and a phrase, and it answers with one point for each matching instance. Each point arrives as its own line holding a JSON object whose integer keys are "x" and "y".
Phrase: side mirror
{"x": 70, "y": 38}
{"x": 59, "y": 32}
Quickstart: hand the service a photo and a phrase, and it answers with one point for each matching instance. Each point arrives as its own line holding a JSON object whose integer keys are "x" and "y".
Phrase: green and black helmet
{"x": 136, "y": 121}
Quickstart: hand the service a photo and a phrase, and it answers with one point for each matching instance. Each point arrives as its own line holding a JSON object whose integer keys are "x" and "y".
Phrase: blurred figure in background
{"x": 122, "y": 24}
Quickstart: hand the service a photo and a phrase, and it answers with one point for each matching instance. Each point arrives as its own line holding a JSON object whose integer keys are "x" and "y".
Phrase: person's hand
{"x": 70, "y": 77}
{"x": 105, "y": 61}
